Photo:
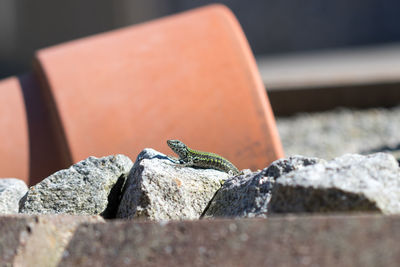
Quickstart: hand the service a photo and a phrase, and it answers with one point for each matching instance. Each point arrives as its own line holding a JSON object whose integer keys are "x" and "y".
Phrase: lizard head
{"x": 178, "y": 147}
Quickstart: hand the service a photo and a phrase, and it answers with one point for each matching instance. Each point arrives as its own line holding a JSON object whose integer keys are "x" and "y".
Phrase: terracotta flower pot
{"x": 190, "y": 76}
{"x": 28, "y": 150}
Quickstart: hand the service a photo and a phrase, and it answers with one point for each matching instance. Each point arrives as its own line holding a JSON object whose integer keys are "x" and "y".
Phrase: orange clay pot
{"x": 190, "y": 76}
{"x": 28, "y": 150}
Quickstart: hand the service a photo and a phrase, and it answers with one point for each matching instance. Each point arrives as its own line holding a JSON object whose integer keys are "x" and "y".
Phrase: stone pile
{"x": 155, "y": 188}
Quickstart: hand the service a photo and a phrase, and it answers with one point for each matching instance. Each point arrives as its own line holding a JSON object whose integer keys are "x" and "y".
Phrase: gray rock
{"x": 158, "y": 189}
{"x": 242, "y": 196}
{"x": 283, "y": 166}
{"x": 90, "y": 187}
{"x": 11, "y": 191}
{"x": 349, "y": 183}
{"x": 248, "y": 195}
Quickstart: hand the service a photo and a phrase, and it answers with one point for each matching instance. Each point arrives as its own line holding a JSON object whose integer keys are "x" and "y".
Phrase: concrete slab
{"x": 335, "y": 240}
{"x": 36, "y": 240}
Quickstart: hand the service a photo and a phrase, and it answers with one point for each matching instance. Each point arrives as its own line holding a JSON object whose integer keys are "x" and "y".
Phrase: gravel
{"x": 331, "y": 134}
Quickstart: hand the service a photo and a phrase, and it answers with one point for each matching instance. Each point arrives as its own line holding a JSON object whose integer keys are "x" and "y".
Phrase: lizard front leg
{"x": 174, "y": 159}
{"x": 187, "y": 163}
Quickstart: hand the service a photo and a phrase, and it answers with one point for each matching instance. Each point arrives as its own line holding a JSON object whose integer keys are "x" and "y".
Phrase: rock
{"x": 393, "y": 150}
{"x": 90, "y": 187}
{"x": 348, "y": 183}
{"x": 283, "y": 166}
{"x": 158, "y": 189}
{"x": 242, "y": 196}
{"x": 11, "y": 191}
{"x": 248, "y": 195}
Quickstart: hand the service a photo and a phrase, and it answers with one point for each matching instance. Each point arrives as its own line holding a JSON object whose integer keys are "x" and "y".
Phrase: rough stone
{"x": 286, "y": 165}
{"x": 248, "y": 195}
{"x": 158, "y": 189}
{"x": 11, "y": 192}
{"x": 242, "y": 196}
{"x": 90, "y": 187}
{"x": 30, "y": 240}
{"x": 367, "y": 240}
{"x": 348, "y": 183}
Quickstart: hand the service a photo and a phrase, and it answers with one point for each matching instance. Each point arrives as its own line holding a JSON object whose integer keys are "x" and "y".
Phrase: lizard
{"x": 194, "y": 158}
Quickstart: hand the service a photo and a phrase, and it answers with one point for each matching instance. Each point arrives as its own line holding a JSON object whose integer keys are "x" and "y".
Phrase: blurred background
{"x": 272, "y": 27}
{"x": 313, "y": 56}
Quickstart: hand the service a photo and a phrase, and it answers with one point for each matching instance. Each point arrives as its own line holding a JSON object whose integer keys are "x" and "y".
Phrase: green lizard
{"x": 194, "y": 158}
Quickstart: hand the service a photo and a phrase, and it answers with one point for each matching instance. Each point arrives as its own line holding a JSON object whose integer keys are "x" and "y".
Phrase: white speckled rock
{"x": 90, "y": 187}
{"x": 348, "y": 183}
{"x": 11, "y": 191}
{"x": 248, "y": 195}
{"x": 158, "y": 189}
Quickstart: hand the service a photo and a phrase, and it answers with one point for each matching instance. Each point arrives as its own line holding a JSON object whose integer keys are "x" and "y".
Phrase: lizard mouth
{"x": 170, "y": 143}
